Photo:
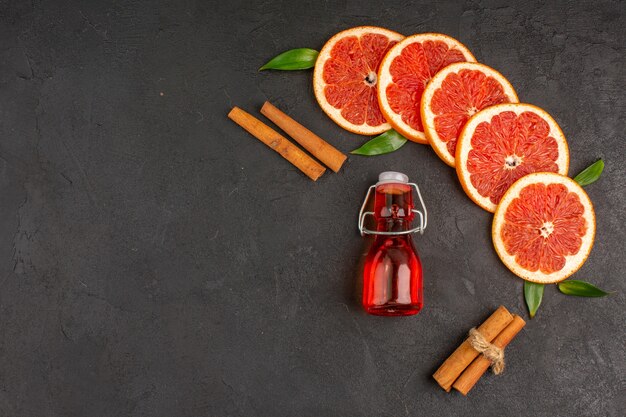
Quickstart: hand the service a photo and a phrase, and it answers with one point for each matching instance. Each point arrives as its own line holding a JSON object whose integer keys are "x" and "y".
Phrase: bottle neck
{"x": 393, "y": 205}
{"x": 392, "y": 225}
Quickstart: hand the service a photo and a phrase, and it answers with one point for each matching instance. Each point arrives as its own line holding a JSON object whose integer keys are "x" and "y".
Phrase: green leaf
{"x": 581, "y": 289}
{"x": 387, "y": 142}
{"x": 590, "y": 174}
{"x": 533, "y": 293}
{"x": 294, "y": 59}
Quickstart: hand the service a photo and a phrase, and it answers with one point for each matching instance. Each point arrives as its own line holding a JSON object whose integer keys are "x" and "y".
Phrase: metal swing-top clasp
{"x": 393, "y": 177}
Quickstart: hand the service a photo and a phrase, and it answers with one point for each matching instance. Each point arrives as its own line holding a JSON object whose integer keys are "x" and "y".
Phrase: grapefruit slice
{"x": 455, "y": 94}
{"x": 345, "y": 78}
{"x": 501, "y": 144}
{"x": 544, "y": 227}
{"x": 404, "y": 73}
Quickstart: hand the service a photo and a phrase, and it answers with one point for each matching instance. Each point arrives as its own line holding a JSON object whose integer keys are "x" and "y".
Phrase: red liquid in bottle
{"x": 392, "y": 281}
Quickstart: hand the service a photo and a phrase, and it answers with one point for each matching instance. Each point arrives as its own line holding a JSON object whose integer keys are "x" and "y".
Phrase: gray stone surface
{"x": 156, "y": 260}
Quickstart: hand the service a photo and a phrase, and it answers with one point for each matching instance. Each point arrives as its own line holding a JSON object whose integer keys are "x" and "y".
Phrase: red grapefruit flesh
{"x": 544, "y": 227}
{"x": 404, "y": 73}
{"x": 345, "y": 78}
{"x": 501, "y": 144}
{"x": 455, "y": 94}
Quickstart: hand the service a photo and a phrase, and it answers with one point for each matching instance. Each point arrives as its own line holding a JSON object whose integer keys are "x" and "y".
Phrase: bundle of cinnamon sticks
{"x": 318, "y": 147}
{"x": 466, "y": 365}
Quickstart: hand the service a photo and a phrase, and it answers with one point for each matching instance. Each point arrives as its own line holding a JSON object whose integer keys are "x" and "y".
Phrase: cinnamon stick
{"x": 277, "y": 142}
{"x": 317, "y": 146}
{"x": 452, "y": 367}
{"x": 472, "y": 373}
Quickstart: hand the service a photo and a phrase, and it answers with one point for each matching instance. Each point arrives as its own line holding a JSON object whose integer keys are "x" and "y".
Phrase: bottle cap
{"x": 392, "y": 176}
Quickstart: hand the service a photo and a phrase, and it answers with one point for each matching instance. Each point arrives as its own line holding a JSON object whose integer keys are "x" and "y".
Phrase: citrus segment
{"x": 404, "y": 72}
{"x": 544, "y": 227}
{"x": 501, "y": 144}
{"x": 345, "y": 78}
{"x": 455, "y": 94}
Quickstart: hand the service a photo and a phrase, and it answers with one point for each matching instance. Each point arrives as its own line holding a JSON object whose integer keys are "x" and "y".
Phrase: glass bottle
{"x": 392, "y": 277}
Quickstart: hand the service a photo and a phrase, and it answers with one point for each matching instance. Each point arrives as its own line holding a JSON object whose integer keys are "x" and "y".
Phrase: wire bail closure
{"x": 363, "y": 214}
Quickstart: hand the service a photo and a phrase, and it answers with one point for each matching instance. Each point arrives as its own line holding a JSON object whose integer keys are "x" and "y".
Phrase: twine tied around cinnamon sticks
{"x": 483, "y": 348}
{"x": 491, "y": 352}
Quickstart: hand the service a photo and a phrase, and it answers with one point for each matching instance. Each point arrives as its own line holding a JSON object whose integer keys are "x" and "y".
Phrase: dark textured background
{"x": 156, "y": 260}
